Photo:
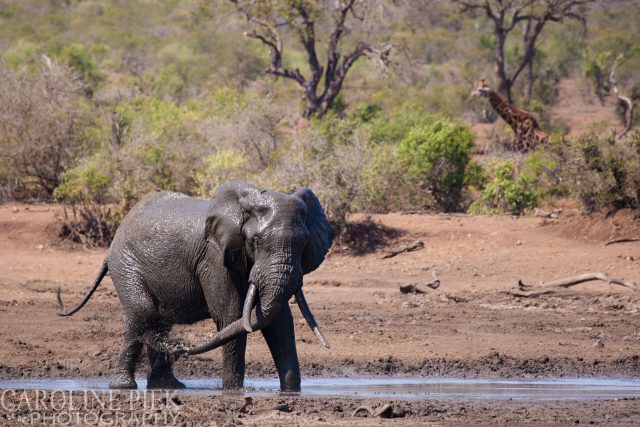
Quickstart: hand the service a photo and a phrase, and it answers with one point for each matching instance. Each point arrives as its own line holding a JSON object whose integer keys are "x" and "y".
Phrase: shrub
{"x": 86, "y": 216}
{"x": 46, "y": 126}
{"x": 603, "y": 173}
{"x": 507, "y": 192}
{"x": 80, "y": 58}
{"x": 436, "y": 156}
{"x": 216, "y": 169}
{"x": 333, "y": 170}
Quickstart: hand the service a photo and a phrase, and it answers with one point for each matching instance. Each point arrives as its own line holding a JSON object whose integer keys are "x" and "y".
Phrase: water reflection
{"x": 389, "y": 387}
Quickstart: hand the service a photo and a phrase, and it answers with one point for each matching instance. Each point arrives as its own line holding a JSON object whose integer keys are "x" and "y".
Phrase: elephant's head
{"x": 270, "y": 239}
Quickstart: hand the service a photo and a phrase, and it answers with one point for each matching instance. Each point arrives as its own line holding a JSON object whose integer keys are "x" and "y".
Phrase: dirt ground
{"x": 467, "y": 327}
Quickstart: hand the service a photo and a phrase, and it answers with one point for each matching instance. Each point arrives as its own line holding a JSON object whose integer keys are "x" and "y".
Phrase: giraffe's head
{"x": 481, "y": 89}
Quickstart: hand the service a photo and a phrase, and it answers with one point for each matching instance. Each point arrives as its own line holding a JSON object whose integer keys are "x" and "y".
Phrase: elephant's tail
{"x": 61, "y": 310}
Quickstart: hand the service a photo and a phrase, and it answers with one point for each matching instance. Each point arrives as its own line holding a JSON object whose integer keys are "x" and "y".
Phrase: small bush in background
{"x": 604, "y": 173}
{"x": 436, "y": 156}
{"x": 87, "y": 218}
{"x": 46, "y": 127}
{"x": 216, "y": 169}
{"x": 507, "y": 192}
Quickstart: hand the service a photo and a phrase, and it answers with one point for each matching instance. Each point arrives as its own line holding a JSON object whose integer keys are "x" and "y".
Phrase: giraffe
{"x": 524, "y": 125}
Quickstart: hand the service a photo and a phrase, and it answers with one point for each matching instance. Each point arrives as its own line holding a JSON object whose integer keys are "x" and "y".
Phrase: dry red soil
{"x": 467, "y": 327}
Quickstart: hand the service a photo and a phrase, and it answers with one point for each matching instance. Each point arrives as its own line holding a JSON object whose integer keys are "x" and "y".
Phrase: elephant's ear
{"x": 321, "y": 236}
{"x": 225, "y": 218}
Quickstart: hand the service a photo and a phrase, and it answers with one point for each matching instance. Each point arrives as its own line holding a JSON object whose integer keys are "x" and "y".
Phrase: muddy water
{"x": 384, "y": 387}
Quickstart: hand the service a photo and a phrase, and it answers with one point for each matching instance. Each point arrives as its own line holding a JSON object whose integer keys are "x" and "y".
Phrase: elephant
{"x": 237, "y": 258}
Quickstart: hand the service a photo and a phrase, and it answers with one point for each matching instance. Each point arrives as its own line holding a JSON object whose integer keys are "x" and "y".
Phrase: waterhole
{"x": 388, "y": 387}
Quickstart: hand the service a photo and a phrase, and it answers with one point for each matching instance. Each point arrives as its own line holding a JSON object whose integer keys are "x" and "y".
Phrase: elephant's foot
{"x": 165, "y": 380}
{"x": 123, "y": 381}
{"x": 232, "y": 381}
{"x": 290, "y": 382}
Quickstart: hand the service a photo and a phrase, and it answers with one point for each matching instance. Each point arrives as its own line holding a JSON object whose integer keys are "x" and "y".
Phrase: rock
{"x": 282, "y": 407}
{"x": 385, "y": 411}
{"x": 598, "y": 344}
{"x": 40, "y": 247}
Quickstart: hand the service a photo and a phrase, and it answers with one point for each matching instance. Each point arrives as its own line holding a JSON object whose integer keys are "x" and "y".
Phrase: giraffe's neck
{"x": 502, "y": 108}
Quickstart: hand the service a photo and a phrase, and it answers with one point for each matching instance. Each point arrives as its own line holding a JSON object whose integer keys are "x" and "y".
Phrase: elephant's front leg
{"x": 233, "y": 359}
{"x": 280, "y": 337}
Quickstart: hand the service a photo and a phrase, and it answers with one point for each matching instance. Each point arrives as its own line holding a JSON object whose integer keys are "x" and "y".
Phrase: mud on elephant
{"x": 237, "y": 258}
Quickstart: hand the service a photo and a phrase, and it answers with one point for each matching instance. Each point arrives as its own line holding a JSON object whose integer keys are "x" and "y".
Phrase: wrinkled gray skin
{"x": 177, "y": 260}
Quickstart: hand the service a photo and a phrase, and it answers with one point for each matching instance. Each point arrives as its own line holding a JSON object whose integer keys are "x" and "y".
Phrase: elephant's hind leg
{"x": 139, "y": 313}
{"x": 129, "y": 353}
{"x": 160, "y": 373}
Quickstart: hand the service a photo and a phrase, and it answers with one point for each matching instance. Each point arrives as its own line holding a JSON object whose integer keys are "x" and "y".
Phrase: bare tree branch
{"x": 506, "y": 15}
{"x": 629, "y": 106}
{"x": 300, "y": 17}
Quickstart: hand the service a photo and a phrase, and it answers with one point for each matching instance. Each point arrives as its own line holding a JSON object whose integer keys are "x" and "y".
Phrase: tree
{"x": 46, "y": 125}
{"x": 269, "y": 20}
{"x": 531, "y": 17}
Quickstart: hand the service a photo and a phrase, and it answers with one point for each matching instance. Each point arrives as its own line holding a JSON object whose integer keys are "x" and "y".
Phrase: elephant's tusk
{"x": 248, "y": 305}
{"x": 308, "y": 316}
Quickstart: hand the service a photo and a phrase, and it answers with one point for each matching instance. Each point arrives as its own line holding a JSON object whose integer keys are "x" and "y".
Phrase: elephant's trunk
{"x": 254, "y": 319}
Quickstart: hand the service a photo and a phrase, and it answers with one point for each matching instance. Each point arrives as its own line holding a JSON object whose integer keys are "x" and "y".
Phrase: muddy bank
{"x": 169, "y": 409}
{"x": 493, "y": 365}
{"x": 467, "y": 327}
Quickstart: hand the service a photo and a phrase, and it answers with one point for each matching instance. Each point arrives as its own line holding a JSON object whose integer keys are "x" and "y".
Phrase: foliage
{"x": 81, "y": 60}
{"x": 597, "y": 68}
{"x": 333, "y": 170}
{"x": 216, "y": 169}
{"x": 603, "y": 173}
{"x": 436, "y": 156}
{"x": 157, "y": 95}
{"x": 45, "y": 126}
{"x": 507, "y": 192}
{"x": 83, "y": 183}
{"x": 87, "y": 217}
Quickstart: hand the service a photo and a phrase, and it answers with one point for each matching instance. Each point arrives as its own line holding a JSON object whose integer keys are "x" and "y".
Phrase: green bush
{"x": 87, "y": 217}
{"x": 216, "y": 169}
{"x": 81, "y": 59}
{"x": 436, "y": 156}
{"x": 83, "y": 184}
{"x": 507, "y": 192}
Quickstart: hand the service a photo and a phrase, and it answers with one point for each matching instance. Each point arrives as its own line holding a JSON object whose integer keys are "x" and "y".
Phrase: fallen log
{"x": 385, "y": 411}
{"x": 528, "y": 291}
{"x": 622, "y": 240}
{"x": 419, "y": 288}
{"x": 415, "y": 246}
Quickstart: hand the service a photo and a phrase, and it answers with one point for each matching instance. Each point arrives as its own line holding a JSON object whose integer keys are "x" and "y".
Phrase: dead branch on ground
{"x": 415, "y": 246}
{"x": 528, "y": 291}
{"x": 419, "y": 288}
{"x": 384, "y": 411}
{"x": 622, "y": 240}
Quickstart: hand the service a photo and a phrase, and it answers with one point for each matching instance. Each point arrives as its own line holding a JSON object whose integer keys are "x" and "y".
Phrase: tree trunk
{"x": 502, "y": 80}
{"x": 312, "y": 105}
{"x": 529, "y": 83}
